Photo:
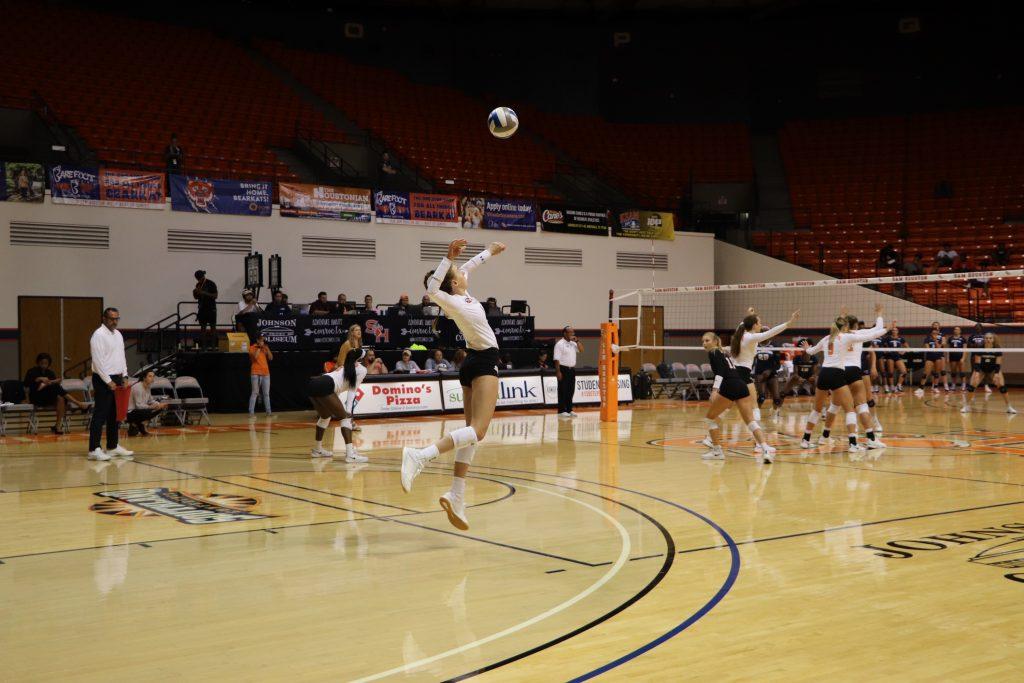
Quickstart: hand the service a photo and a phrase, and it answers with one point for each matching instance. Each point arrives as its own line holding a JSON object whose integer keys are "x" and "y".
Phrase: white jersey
{"x": 748, "y": 345}
{"x": 341, "y": 384}
{"x": 467, "y": 312}
{"x": 845, "y": 349}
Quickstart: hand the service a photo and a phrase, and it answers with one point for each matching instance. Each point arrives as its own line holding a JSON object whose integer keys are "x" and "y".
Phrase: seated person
{"x": 429, "y": 307}
{"x": 944, "y": 257}
{"x": 506, "y": 362}
{"x": 458, "y": 359}
{"x": 247, "y": 314}
{"x": 407, "y": 364}
{"x": 45, "y": 390}
{"x": 344, "y": 305}
{"x": 374, "y": 365}
{"x": 915, "y": 266}
{"x": 1001, "y": 256}
{"x": 437, "y": 363}
{"x": 142, "y": 407}
{"x": 492, "y": 307}
{"x": 542, "y": 360}
{"x": 279, "y": 308}
{"x": 321, "y": 306}
{"x": 403, "y": 307}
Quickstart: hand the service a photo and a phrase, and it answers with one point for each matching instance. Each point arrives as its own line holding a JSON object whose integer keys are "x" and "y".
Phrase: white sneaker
{"x": 988, "y": 389}
{"x": 412, "y": 465}
{"x": 565, "y": 415}
{"x": 706, "y": 441}
{"x": 573, "y": 414}
{"x": 121, "y": 452}
{"x": 825, "y": 441}
{"x": 806, "y": 444}
{"x": 98, "y": 454}
{"x": 874, "y": 443}
{"x": 758, "y": 447}
{"x": 1011, "y": 410}
{"x": 714, "y": 454}
{"x": 919, "y": 392}
{"x": 768, "y": 454}
{"x": 454, "y": 506}
{"x": 355, "y": 456}
{"x": 856, "y": 448}
{"x": 935, "y": 390}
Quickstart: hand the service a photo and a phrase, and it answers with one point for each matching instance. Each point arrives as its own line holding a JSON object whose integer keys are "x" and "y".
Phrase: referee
{"x": 565, "y": 369}
{"x": 109, "y": 370}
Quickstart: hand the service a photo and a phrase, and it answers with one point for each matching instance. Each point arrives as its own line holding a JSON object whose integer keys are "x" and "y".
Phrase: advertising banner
{"x": 132, "y": 189}
{"x": 21, "y": 182}
{"x": 396, "y": 398}
{"x": 498, "y": 214}
{"x": 234, "y": 197}
{"x": 575, "y": 220}
{"x": 73, "y": 185}
{"x": 417, "y": 208}
{"x": 587, "y": 392}
{"x": 299, "y": 200}
{"x": 523, "y": 391}
{"x": 656, "y": 225}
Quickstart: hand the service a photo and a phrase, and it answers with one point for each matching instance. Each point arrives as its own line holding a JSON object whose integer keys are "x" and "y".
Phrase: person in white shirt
{"x": 437, "y": 363}
{"x": 744, "y": 344}
{"x": 447, "y": 287}
{"x": 142, "y": 407}
{"x": 109, "y": 370}
{"x": 566, "y": 349}
{"x": 407, "y": 364}
{"x": 325, "y": 393}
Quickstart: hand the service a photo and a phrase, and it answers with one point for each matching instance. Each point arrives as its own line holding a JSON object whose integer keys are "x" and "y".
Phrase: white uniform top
{"x": 565, "y": 352}
{"x": 846, "y": 348}
{"x": 341, "y": 384}
{"x": 748, "y": 345}
{"x": 107, "y": 349}
{"x": 466, "y": 311}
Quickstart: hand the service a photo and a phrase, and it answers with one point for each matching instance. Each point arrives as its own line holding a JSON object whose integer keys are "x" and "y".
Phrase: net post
{"x": 608, "y": 372}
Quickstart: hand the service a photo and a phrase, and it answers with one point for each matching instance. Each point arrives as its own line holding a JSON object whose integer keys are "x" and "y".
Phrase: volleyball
{"x": 503, "y": 123}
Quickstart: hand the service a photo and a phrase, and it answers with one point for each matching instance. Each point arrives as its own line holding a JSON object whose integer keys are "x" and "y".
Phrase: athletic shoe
{"x": 988, "y": 389}
{"x": 899, "y": 387}
{"x": 825, "y": 441}
{"x": 758, "y": 447}
{"x": 565, "y": 415}
{"x": 321, "y": 453}
{"x": 706, "y": 441}
{"x": 356, "y": 457}
{"x": 1011, "y": 410}
{"x": 936, "y": 390}
{"x": 874, "y": 443}
{"x": 768, "y": 455}
{"x": 98, "y": 454}
{"x": 919, "y": 392}
{"x": 412, "y": 465}
{"x": 455, "y": 507}
{"x": 573, "y": 414}
{"x": 806, "y": 444}
{"x": 121, "y": 452}
{"x": 716, "y": 453}
{"x": 856, "y": 448}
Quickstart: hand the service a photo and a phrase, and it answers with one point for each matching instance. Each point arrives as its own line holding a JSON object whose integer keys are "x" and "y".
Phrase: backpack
{"x": 641, "y": 385}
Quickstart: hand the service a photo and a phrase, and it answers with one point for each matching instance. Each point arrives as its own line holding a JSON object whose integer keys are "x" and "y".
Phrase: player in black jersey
{"x": 989, "y": 367}
{"x": 766, "y": 367}
{"x": 729, "y": 389}
{"x": 976, "y": 340}
{"x": 895, "y": 367}
{"x": 805, "y": 370}
{"x": 955, "y": 359}
{"x": 933, "y": 365}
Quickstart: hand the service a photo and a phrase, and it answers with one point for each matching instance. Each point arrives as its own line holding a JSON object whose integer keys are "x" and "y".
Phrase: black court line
{"x": 371, "y": 516}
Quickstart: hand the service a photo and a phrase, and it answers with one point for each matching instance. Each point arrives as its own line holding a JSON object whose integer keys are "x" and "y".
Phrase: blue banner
{"x": 73, "y": 185}
{"x": 392, "y": 207}
{"x": 510, "y": 214}
{"x": 235, "y": 197}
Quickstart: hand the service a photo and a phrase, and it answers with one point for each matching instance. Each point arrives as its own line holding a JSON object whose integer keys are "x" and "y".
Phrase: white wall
{"x": 139, "y": 276}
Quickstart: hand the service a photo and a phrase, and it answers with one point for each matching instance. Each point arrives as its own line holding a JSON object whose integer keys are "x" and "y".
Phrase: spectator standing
{"x": 142, "y": 407}
{"x": 566, "y": 350}
{"x": 1001, "y": 256}
{"x": 407, "y": 364}
{"x": 247, "y": 314}
{"x": 205, "y": 292}
{"x": 437, "y": 363}
{"x": 387, "y": 171}
{"x": 888, "y": 257}
{"x": 109, "y": 370}
{"x": 374, "y": 365}
{"x": 260, "y": 356}
{"x": 279, "y": 307}
{"x": 321, "y": 306}
{"x": 174, "y": 156}
{"x": 45, "y": 390}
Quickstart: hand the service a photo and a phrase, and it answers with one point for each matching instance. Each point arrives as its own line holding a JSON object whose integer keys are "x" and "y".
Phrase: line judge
{"x": 565, "y": 369}
{"x": 109, "y": 370}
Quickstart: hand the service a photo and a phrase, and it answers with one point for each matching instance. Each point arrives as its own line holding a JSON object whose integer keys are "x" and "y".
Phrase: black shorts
{"x": 853, "y": 373}
{"x": 733, "y": 388}
{"x": 320, "y": 386}
{"x": 744, "y": 374}
{"x": 831, "y": 379}
{"x": 954, "y": 357}
{"x": 805, "y": 372}
{"x": 987, "y": 369}
{"x": 206, "y": 317}
{"x": 478, "y": 364}
{"x": 760, "y": 371}
{"x": 929, "y": 356}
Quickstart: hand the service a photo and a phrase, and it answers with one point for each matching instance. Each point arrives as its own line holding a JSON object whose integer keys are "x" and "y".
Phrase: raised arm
{"x": 775, "y": 331}
{"x": 817, "y": 348}
{"x": 875, "y": 332}
{"x": 493, "y": 249}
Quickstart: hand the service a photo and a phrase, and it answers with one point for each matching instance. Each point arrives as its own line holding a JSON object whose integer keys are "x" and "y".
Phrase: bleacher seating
{"x": 124, "y": 85}
{"x": 440, "y": 132}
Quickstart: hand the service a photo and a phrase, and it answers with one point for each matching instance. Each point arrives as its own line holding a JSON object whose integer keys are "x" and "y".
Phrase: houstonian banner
{"x": 235, "y": 197}
{"x": 656, "y": 225}
{"x": 299, "y": 200}
{"x": 416, "y": 208}
{"x": 107, "y": 187}
{"x": 498, "y": 214}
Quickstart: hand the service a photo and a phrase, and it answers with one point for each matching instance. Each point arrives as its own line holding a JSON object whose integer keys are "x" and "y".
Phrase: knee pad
{"x": 323, "y": 422}
{"x": 753, "y": 426}
{"x": 346, "y": 423}
{"x": 1003, "y": 389}
{"x": 970, "y": 388}
{"x": 863, "y": 409}
{"x": 463, "y": 436}
{"x": 465, "y": 454}
{"x": 871, "y": 403}
{"x": 833, "y": 409}
{"x": 851, "y": 419}
{"x": 710, "y": 424}
{"x": 943, "y": 373}
{"x": 813, "y": 417}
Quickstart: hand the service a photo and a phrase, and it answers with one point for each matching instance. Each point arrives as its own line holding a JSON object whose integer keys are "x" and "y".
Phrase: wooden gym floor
{"x": 592, "y": 550}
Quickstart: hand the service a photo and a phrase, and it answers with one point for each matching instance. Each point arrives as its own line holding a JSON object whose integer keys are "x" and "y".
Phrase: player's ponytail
{"x": 446, "y": 282}
{"x": 838, "y": 325}
{"x": 744, "y": 327}
{"x": 351, "y": 358}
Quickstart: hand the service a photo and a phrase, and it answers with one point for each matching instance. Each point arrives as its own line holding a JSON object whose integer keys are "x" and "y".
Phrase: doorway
{"x": 58, "y": 325}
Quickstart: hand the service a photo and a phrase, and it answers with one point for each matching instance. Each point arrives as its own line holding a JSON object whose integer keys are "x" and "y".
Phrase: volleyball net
{"x": 674, "y": 318}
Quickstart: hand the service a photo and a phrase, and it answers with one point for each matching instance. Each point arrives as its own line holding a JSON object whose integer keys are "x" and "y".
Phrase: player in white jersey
{"x": 853, "y": 367}
{"x": 351, "y": 398}
{"x": 447, "y": 287}
{"x": 744, "y": 345}
{"x": 325, "y": 393}
{"x": 838, "y": 347}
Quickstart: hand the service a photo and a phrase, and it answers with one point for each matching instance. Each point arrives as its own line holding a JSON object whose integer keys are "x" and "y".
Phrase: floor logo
{"x": 187, "y": 508}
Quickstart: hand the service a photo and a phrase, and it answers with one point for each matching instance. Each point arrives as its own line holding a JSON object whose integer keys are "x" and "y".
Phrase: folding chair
{"x": 697, "y": 381}
{"x": 163, "y": 389}
{"x": 16, "y": 407}
{"x": 682, "y": 381}
{"x": 191, "y": 403}
{"x": 79, "y": 386}
{"x": 658, "y": 385}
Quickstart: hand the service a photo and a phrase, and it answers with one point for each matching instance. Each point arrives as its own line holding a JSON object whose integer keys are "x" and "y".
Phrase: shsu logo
{"x": 379, "y": 332}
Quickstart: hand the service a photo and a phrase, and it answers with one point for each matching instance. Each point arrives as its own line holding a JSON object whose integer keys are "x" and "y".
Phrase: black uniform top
{"x": 765, "y": 360}
{"x": 893, "y": 342}
{"x": 976, "y": 340}
{"x": 987, "y": 359}
{"x": 865, "y": 355}
{"x": 956, "y": 343}
{"x": 805, "y": 360}
{"x": 930, "y": 343}
{"x": 722, "y": 365}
